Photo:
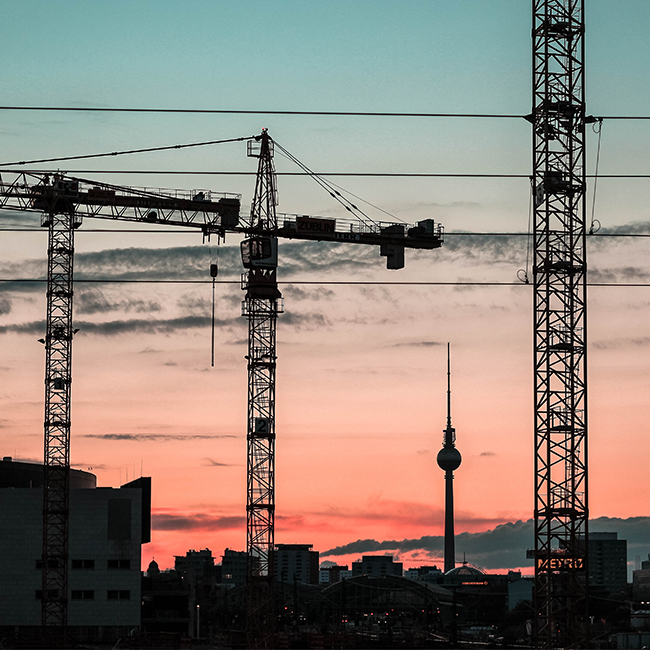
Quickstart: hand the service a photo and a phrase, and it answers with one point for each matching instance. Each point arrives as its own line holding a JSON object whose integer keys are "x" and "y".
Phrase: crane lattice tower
{"x": 560, "y": 320}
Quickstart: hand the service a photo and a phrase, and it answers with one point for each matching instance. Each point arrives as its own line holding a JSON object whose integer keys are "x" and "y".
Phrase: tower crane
{"x": 63, "y": 201}
{"x": 560, "y": 324}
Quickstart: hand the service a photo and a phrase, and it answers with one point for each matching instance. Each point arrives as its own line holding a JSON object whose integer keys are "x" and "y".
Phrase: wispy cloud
{"x": 210, "y": 462}
{"x": 96, "y": 301}
{"x": 306, "y": 321}
{"x": 418, "y": 344}
{"x": 199, "y": 521}
{"x": 157, "y": 437}
{"x": 138, "y": 326}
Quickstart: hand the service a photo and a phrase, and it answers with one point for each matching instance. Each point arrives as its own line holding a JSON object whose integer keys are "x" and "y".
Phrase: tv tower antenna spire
{"x": 449, "y": 459}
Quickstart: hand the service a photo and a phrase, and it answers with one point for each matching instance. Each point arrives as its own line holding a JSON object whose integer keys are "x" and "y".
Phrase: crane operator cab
{"x": 259, "y": 253}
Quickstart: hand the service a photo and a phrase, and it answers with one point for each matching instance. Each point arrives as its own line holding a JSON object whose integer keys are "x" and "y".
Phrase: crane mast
{"x": 560, "y": 320}
{"x": 262, "y": 304}
{"x": 58, "y": 380}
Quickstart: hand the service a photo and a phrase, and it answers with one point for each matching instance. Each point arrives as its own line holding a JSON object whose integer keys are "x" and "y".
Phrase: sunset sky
{"x": 362, "y": 368}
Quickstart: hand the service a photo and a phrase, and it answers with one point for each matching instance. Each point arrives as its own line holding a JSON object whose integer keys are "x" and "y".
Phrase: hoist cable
{"x": 334, "y": 193}
{"x": 593, "y": 203}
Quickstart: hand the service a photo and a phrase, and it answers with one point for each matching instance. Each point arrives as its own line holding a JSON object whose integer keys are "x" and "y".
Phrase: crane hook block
{"x": 214, "y": 270}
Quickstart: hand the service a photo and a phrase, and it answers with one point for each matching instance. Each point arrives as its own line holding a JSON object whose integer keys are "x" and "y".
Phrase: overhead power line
{"x": 254, "y": 112}
{"x": 185, "y": 231}
{"x": 226, "y": 111}
{"x": 218, "y": 111}
{"x": 202, "y": 172}
{"x": 330, "y": 282}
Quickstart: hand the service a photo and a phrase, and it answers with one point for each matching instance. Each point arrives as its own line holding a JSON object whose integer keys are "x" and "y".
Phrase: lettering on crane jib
{"x": 311, "y": 225}
{"x": 347, "y": 236}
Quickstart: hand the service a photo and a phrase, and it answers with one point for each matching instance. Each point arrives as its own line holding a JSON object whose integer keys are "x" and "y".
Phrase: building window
{"x": 83, "y": 564}
{"x": 114, "y": 594}
{"x": 83, "y": 595}
{"x": 119, "y": 564}
{"x": 52, "y": 594}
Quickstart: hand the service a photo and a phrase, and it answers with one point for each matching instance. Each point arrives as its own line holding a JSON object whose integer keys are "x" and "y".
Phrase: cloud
{"x": 503, "y": 546}
{"x": 618, "y": 274}
{"x": 613, "y": 344}
{"x": 158, "y": 437}
{"x": 5, "y": 306}
{"x": 418, "y": 344}
{"x": 164, "y": 521}
{"x": 95, "y": 302}
{"x": 307, "y": 321}
{"x": 35, "y": 327}
{"x": 139, "y": 326}
{"x": 487, "y": 453}
{"x": 209, "y": 462}
{"x": 296, "y": 293}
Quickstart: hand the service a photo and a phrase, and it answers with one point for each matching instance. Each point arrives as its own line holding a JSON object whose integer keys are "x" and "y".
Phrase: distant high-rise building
{"x": 607, "y": 562}
{"x": 233, "y": 567}
{"x": 449, "y": 459}
{"x": 331, "y": 574}
{"x": 195, "y": 564}
{"x": 296, "y": 563}
{"x": 376, "y": 566}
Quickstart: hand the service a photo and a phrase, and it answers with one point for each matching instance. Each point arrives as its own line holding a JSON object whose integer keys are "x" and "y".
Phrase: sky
{"x": 362, "y": 368}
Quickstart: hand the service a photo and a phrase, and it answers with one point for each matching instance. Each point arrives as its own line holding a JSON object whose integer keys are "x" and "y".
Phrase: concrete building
{"x": 233, "y": 567}
{"x": 195, "y": 564}
{"x": 641, "y": 582}
{"x": 607, "y": 562}
{"x": 296, "y": 563}
{"x": 331, "y": 574}
{"x": 106, "y": 530}
{"x": 376, "y": 566}
{"x": 424, "y": 573}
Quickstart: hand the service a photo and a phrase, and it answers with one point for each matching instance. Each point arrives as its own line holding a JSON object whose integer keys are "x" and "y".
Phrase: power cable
{"x": 178, "y": 172}
{"x": 190, "y": 231}
{"x": 330, "y": 282}
{"x": 217, "y": 111}
{"x": 122, "y": 153}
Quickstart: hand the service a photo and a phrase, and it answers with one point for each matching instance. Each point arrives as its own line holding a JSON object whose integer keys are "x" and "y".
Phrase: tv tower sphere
{"x": 449, "y": 459}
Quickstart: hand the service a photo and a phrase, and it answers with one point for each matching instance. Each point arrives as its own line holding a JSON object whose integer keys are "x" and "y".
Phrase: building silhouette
{"x": 296, "y": 563}
{"x": 107, "y": 528}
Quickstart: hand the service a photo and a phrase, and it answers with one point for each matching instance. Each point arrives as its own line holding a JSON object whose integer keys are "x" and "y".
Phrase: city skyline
{"x": 361, "y": 369}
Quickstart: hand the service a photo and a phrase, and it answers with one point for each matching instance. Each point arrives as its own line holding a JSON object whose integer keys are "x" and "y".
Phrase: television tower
{"x": 449, "y": 459}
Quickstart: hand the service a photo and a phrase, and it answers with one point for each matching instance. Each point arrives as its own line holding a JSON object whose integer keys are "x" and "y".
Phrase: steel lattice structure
{"x": 262, "y": 304}
{"x": 560, "y": 319}
{"x": 58, "y": 379}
